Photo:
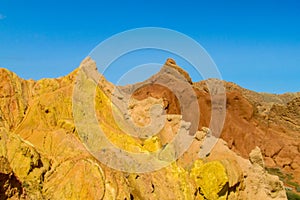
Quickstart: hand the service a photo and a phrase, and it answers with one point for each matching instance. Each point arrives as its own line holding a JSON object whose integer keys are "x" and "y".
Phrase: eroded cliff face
{"x": 268, "y": 121}
{"x": 43, "y": 157}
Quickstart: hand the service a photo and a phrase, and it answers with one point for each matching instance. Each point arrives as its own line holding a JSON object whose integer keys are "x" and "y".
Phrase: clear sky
{"x": 255, "y": 44}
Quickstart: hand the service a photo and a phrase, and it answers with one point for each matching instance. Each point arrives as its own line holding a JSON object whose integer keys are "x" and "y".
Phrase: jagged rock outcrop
{"x": 268, "y": 121}
{"x": 211, "y": 179}
{"x": 247, "y": 180}
{"x": 256, "y": 157}
{"x": 42, "y": 155}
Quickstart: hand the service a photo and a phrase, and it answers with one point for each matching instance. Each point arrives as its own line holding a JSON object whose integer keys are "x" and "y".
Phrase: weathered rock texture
{"x": 42, "y": 156}
{"x": 268, "y": 121}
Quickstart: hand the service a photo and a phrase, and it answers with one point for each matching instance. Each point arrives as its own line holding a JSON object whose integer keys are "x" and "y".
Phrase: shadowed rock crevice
{"x": 10, "y": 186}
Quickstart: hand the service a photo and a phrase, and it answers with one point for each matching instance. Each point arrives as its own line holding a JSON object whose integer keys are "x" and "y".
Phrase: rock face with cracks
{"x": 42, "y": 155}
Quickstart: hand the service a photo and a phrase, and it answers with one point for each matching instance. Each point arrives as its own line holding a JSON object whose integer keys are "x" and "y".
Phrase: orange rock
{"x": 44, "y": 158}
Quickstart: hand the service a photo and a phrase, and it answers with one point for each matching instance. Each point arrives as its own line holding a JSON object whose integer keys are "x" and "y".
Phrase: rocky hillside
{"x": 43, "y": 155}
{"x": 269, "y": 121}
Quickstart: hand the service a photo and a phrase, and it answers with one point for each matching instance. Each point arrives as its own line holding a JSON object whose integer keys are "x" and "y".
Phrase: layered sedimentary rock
{"x": 268, "y": 121}
{"x": 42, "y": 155}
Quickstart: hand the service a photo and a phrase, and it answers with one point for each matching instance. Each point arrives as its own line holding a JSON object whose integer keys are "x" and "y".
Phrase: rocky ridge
{"x": 268, "y": 121}
{"x": 43, "y": 157}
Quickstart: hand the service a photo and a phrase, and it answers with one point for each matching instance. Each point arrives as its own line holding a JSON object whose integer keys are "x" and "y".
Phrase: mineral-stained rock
{"x": 42, "y": 155}
{"x": 211, "y": 178}
{"x": 75, "y": 179}
{"x": 255, "y": 182}
{"x": 13, "y": 97}
{"x": 23, "y": 163}
{"x": 268, "y": 121}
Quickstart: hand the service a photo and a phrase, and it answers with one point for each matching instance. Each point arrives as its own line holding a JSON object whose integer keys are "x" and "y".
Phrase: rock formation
{"x": 268, "y": 121}
{"x": 42, "y": 155}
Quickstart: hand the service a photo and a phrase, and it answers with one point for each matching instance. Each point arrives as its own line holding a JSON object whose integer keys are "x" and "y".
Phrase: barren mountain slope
{"x": 269, "y": 121}
{"x": 42, "y": 155}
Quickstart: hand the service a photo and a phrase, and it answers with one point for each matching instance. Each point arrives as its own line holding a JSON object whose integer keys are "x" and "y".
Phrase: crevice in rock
{"x": 234, "y": 188}
{"x": 9, "y": 186}
{"x": 197, "y": 191}
{"x": 224, "y": 190}
{"x": 32, "y": 166}
{"x": 131, "y": 197}
{"x": 153, "y": 188}
{"x": 276, "y": 153}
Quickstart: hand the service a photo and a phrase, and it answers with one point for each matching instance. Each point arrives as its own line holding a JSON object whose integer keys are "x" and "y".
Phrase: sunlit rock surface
{"x": 42, "y": 156}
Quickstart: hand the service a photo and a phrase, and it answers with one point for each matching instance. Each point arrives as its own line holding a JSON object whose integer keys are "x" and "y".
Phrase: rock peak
{"x": 172, "y": 63}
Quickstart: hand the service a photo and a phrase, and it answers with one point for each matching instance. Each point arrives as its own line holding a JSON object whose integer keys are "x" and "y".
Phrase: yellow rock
{"x": 82, "y": 179}
{"x": 41, "y": 149}
{"x": 171, "y": 182}
{"x": 152, "y": 144}
{"x": 212, "y": 179}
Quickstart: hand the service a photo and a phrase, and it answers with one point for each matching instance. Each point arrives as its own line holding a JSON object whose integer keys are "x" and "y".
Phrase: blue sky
{"x": 255, "y": 44}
